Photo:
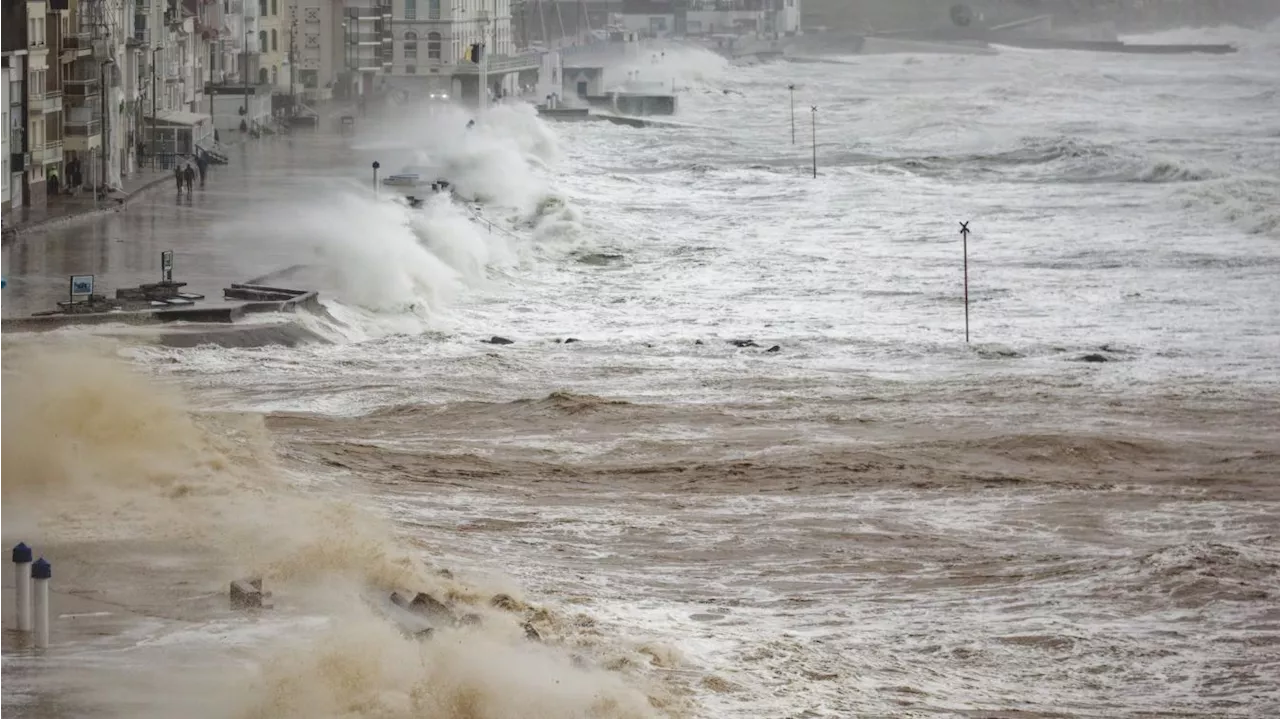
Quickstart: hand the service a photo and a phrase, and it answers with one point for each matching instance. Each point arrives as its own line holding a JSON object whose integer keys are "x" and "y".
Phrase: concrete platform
{"x": 246, "y": 299}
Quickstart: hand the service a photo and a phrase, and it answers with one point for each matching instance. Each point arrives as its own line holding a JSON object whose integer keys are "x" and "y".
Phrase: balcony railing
{"x": 82, "y": 128}
{"x": 50, "y": 153}
{"x": 78, "y": 41}
{"x": 51, "y": 101}
{"x": 78, "y": 90}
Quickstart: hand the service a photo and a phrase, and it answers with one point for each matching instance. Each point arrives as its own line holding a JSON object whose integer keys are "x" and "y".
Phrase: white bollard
{"x": 22, "y": 586}
{"x": 41, "y": 572}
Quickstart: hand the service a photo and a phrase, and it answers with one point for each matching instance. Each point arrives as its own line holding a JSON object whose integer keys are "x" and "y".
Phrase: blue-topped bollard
{"x": 22, "y": 586}
{"x": 41, "y": 572}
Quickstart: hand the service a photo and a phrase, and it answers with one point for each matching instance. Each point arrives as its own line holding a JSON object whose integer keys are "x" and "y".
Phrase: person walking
{"x": 177, "y": 174}
{"x": 189, "y": 175}
{"x": 202, "y": 164}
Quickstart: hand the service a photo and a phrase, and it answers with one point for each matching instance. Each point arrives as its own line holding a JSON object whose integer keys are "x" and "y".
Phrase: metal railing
{"x": 77, "y": 41}
{"x": 51, "y": 101}
{"x": 83, "y": 128}
{"x": 501, "y": 63}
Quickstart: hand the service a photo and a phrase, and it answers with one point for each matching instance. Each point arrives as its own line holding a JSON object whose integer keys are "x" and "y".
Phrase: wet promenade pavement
{"x": 219, "y": 235}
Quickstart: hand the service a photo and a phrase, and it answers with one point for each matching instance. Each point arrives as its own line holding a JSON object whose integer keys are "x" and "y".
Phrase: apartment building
{"x": 273, "y": 44}
{"x": 7, "y": 149}
{"x": 430, "y": 48}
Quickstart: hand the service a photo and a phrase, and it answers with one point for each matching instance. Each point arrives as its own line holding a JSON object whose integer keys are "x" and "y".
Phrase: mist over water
{"x": 875, "y": 519}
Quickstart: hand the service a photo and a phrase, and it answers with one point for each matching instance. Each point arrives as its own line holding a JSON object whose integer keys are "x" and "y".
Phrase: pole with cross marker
{"x": 964, "y": 234}
{"x": 814, "y": 111}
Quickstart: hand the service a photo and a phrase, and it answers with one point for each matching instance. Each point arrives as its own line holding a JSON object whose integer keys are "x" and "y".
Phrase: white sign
{"x": 81, "y": 286}
{"x": 166, "y": 266}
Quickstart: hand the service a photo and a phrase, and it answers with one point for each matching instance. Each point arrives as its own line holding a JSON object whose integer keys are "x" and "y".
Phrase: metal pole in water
{"x": 814, "y": 111}
{"x": 376, "y": 165}
{"x": 22, "y": 586}
{"x": 964, "y": 233}
{"x": 41, "y": 572}
{"x": 792, "y": 88}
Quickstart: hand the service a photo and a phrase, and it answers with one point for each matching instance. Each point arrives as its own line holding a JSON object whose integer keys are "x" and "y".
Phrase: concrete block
{"x": 248, "y": 594}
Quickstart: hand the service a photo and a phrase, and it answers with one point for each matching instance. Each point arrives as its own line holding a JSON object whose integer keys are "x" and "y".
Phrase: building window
{"x": 411, "y": 45}
{"x": 262, "y": 8}
{"x": 433, "y": 9}
{"x": 274, "y": 38}
{"x": 410, "y": 9}
{"x": 433, "y": 46}
{"x": 262, "y": 76}
{"x": 275, "y": 7}
{"x": 262, "y": 41}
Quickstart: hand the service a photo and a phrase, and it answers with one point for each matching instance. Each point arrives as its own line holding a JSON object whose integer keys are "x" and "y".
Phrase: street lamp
{"x": 247, "y": 117}
{"x": 102, "y": 78}
{"x": 155, "y": 137}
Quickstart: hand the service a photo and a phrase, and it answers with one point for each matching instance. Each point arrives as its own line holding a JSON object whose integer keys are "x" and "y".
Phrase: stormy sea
{"x": 738, "y": 459}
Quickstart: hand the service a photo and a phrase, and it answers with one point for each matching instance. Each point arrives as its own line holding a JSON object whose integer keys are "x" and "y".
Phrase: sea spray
{"x": 204, "y": 499}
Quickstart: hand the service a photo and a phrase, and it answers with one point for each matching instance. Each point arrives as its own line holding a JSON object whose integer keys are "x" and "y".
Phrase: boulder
{"x": 496, "y": 340}
{"x": 428, "y": 606}
{"x": 1093, "y": 357}
{"x": 743, "y": 343}
{"x": 775, "y": 348}
{"x": 531, "y": 633}
{"x": 504, "y": 601}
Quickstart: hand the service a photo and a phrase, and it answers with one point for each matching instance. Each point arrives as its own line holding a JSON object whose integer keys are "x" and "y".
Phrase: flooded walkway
{"x": 220, "y": 234}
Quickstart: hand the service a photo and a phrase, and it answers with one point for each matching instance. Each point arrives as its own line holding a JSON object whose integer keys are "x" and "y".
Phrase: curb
{"x": 11, "y": 235}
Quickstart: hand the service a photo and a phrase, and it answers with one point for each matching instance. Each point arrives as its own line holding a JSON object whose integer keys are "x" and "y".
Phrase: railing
{"x": 83, "y": 128}
{"x": 501, "y": 63}
{"x": 51, "y": 101}
{"x": 80, "y": 85}
{"x": 77, "y": 41}
{"x": 141, "y": 36}
{"x": 52, "y": 151}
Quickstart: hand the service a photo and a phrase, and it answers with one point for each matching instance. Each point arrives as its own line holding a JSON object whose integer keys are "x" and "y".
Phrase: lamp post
{"x": 248, "y": 119}
{"x": 102, "y": 79}
{"x": 155, "y": 138}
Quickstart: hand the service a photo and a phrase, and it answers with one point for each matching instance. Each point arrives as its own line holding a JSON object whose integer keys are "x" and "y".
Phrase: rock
{"x": 504, "y": 601}
{"x": 1093, "y": 357}
{"x": 743, "y": 343}
{"x": 470, "y": 619}
{"x": 698, "y": 342}
{"x": 571, "y": 340}
{"x": 445, "y": 573}
{"x": 399, "y": 600}
{"x": 531, "y": 633}
{"x": 496, "y": 340}
{"x": 429, "y": 606}
{"x": 775, "y": 348}
{"x": 248, "y": 594}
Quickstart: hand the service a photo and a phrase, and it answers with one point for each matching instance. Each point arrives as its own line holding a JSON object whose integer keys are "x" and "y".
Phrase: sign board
{"x": 81, "y": 286}
{"x": 166, "y": 266}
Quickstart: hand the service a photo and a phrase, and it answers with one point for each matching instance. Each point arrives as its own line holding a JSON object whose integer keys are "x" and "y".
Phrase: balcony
{"x": 79, "y": 44}
{"x": 141, "y": 37}
{"x": 51, "y": 153}
{"x": 77, "y": 90}
{"x": 82, "y": 128}
{"x": 50, "y": 102}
